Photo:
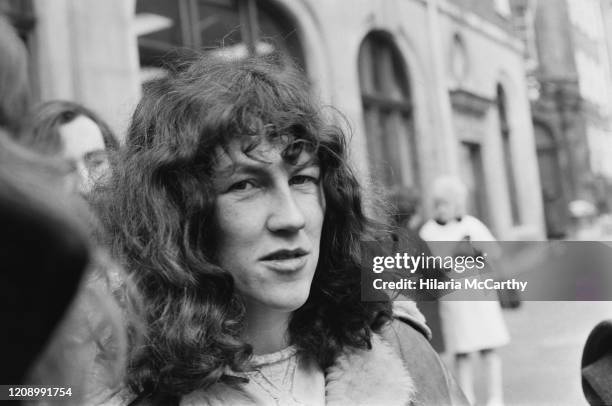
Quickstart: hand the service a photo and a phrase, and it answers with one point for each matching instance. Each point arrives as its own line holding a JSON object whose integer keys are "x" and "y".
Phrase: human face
{"x": 269, "y": 215}
{"x": 83, "y": 148}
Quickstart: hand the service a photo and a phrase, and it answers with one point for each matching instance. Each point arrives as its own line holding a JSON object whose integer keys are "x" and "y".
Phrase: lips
{"x": 286, "y": 261}
{"x": 284, "y": 254}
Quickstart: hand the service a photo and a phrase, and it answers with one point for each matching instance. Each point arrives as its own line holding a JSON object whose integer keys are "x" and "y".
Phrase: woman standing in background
{"x": 468, "y": 326}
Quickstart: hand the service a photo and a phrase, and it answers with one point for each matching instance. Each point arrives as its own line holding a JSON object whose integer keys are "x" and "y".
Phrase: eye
{"x": 304, "y": 179}
{"x": 242, "y": 185}
{"x": 94, "y": 161}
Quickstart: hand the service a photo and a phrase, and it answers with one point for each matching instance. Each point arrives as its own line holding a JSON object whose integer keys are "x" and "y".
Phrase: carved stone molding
{"x": 469, "y": 103}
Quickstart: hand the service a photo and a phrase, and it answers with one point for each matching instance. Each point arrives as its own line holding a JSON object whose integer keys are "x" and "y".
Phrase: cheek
{"x": 227, "y": 223}
{"x": 226, "y": 243}
{"x": 314, "y": 212}
{"x": 225, "y": 219}
{"x": 238, "y": 230}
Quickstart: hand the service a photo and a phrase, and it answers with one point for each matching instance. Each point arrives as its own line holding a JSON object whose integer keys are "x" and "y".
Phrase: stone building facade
{"x": 568, "y": 62}
{"x": 428, "y": 87}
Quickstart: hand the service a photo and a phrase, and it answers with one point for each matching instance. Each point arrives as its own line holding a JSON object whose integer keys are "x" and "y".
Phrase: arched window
{"x": 505, "y": 132}
{"x": 387, "y": 107}
{"x": 172, "y": 28}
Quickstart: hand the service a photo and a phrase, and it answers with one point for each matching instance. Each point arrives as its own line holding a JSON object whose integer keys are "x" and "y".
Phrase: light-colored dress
{"x": 467, "y": 326}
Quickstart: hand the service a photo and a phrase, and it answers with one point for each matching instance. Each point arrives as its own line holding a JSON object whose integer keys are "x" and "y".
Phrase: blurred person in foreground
{"x": 235, "y": 209}
{"x": 62, "y": 299}
{"x": 468, "y": 326}
{"x": 60, "y": 321}
{"x": 60, "y": 303}
{"x": 75, "y": 134}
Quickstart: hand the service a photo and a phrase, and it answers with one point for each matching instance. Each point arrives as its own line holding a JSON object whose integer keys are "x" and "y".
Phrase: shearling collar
{"x": 357, "y": 378}
{"x": 374, "y": 377}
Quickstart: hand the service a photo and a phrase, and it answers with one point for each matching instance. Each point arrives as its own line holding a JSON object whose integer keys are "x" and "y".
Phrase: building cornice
{"x": 469, "y": 102}
{"x": 480, "y": 25}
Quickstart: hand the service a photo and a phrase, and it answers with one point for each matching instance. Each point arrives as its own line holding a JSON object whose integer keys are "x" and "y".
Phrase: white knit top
{"x": 280, "y": 378}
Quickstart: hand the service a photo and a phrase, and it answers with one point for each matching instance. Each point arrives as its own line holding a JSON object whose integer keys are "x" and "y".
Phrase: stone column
{"x": 446, "y": 137}
{"x": 87, "y": 52}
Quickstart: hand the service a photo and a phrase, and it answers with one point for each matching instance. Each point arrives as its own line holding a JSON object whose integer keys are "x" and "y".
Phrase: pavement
{"x": 542, "y": 362}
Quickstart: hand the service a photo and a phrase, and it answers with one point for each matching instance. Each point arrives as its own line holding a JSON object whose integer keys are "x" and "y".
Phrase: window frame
{"x": 250, "y": 14}
{"x": 505, "y": 132}
{"x": 388, "y": 112}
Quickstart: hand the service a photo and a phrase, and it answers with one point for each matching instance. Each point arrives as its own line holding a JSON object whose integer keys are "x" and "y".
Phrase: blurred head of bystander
{"x": 406, "y": 202}
{"x": 449, "y": 198}
{"x": 74, "y": 133}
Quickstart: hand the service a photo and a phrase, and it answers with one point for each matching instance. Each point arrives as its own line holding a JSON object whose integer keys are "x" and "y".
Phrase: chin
{"x": 290, "y": 304}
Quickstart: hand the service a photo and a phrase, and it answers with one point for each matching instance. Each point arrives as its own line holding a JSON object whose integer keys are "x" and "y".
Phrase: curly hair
{"x": 41, "y": 129}
{"x": 159, "y": 212}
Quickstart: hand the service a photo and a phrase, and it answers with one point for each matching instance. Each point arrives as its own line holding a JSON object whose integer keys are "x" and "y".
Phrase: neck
{"x": 266, "y": 331}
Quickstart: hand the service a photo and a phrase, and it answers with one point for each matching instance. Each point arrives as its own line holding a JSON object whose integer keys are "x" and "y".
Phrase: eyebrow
{"x": 234, "y": 168}
{"x": 248, "y": 164}
{"x": 259, "y": 168}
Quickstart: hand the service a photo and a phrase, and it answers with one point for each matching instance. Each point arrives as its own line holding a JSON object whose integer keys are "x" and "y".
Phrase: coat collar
{"x": 357, "y": 378}
{"x": 369, "y": 377}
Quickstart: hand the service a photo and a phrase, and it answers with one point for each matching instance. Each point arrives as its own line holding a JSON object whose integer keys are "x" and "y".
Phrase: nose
{"x": 286, "y": 215}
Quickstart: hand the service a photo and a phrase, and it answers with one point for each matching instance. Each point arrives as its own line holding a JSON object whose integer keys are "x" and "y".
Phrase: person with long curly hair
{"x": 235, "y": 209}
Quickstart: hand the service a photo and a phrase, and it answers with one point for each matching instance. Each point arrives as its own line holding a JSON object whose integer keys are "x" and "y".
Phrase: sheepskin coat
{"x": 401, "y": 369}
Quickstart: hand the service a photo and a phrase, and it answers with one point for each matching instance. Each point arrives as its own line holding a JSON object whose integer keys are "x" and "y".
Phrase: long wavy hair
{"x": 159, "y": 212}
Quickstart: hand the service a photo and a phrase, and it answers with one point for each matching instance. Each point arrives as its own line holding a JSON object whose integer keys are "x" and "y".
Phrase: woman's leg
{"x": 493, "y": 373}
{"x": 464, "y": 371}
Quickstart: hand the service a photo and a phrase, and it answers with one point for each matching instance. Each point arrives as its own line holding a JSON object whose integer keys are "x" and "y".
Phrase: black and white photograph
{"x": 306, "y": 202}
